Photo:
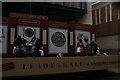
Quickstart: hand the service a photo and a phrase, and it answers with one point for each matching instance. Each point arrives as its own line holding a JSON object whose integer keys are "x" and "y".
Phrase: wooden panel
{"x": 114, "y": 11}
{"x": 108, "y": 13}
{"x": 93, "y": 17}
{"x": 82, "y": 27}
{"x": 119, "y": 26}
{"x": 107, "y": 28}
{"x": 97, "y": 16}
{"x": 103, "y": 18}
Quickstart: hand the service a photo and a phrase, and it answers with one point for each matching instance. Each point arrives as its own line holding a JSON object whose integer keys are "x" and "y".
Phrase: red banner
{"x": 3, "y": 20}
{"x": 29, "y": 22}
{"x": 58, "y": 24}
{"x": 19, "y": 15}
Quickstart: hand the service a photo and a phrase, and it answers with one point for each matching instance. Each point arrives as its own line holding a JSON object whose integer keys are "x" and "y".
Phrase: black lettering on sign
{"x": 72, "y": 64}
{"x": 31, "y": 66}
{"x": 52, "y": 65}
{"x": 88, "y": 64}
{"x": 59, "y": 65}
{"x": 45, "y": 66}
{"x": 39, "y": 65}
{"x": 65, "y": 65}
{"x": 28, "y": 66}
{"x": 24, "y": 66}
{"x": 80, "y": 63}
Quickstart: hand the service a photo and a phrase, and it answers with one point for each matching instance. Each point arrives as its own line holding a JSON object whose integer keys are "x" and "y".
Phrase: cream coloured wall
{"x": 111, "y": 41}
{"x": 87, "y": 18}
{"x": 108, "y": 42}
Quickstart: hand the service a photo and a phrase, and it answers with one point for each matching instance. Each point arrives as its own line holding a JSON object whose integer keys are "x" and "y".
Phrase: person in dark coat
{"x": 37, "y": 47}
{"x": 18, "y": 44}
{"x": 33, "y": 40}
{"x": 94, "y": 47}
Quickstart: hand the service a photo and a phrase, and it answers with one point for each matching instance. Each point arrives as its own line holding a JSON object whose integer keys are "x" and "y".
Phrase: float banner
{"x": 54, "y": 65}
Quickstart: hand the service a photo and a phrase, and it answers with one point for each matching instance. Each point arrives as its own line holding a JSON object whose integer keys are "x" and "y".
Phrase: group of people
{"x": 21, "y": 46}
{"x": 87, "y": 49}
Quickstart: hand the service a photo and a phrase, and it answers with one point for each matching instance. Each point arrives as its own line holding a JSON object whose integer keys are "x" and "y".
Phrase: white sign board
{"x": 28, "y": 32}
{"x": 85, "y": 36}
{"x": 3, "y": 39}
{"x": 58, "y": 41}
